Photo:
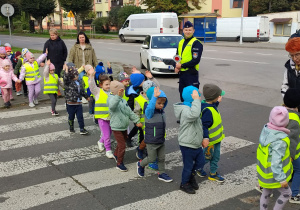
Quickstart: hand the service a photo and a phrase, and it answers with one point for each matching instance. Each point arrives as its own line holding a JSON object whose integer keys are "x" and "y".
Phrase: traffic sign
{"x": 177, "y": 58}
{"x": 70, "y": 14}
{"x": 7, "y": 10}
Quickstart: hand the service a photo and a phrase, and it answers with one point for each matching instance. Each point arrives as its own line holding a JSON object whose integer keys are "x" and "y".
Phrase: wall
{"x": 103, "y": 7}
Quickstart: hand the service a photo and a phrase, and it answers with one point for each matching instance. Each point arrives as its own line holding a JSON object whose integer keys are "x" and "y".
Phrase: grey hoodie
{"x": 276, "y": 150}
{"x": 190, "y": 130}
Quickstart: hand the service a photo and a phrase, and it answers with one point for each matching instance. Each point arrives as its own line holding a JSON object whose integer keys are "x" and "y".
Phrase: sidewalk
{"x": 259, "y": 45}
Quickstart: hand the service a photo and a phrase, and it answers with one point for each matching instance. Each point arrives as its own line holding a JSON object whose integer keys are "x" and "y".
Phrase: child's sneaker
{"x": 216, "y": 177}
{"x": 101, "y": 146}
{"x": 109, "y": 154}
{"x": 54, "y": 113}
{"x": 6, "y": 105}
{"x": 295, "y": 199}
{"x": 35, "y": 101}
{"x": 140, "y": 169}
{"x": 139, "y": 153}
{"x": 153, "y": 166}
{"x": 187, "y": 188}
{"x": 121, "y": 167}
{"x": 193, "y": 182}
{"x": 128, "y": 142}
{"x": 164, "y": 177}
{"x": 83, "y": 132}
{"x": 31, "y": 105}
{"x": 116, "y": 158}
{"x": 19, "y": 93}
{"x": 259, "y": 188}
{"x": 201, "y": 173}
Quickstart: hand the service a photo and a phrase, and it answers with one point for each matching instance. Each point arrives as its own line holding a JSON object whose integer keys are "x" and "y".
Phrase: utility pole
{"x": 242, "y": 21}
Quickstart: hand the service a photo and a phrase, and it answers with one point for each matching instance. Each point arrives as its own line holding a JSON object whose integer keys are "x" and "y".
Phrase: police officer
{"x": 190, "y": 50}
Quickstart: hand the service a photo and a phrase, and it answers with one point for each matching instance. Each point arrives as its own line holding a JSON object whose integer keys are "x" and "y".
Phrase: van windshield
{"x": 165, "y": 41}
{"x": 170, "y": 22}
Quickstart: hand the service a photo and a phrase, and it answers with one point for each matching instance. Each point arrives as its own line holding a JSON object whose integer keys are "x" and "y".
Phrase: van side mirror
{"x": 144, "y": 46}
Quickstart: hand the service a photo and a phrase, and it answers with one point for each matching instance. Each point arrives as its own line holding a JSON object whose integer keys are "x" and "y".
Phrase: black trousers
{"x": 187, "y": 79}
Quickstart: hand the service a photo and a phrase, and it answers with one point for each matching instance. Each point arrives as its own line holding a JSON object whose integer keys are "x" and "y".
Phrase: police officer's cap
{"x": 188, "y": 24}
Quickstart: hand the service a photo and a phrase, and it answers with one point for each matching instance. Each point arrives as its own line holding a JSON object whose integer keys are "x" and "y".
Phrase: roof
{"x": 281, "y": 20}
{"x": 199, "y": 15}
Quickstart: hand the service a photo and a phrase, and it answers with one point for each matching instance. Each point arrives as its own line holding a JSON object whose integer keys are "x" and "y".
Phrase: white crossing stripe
{"x": 241, "y": 61}
{"x": 30, "y": 112}
{"x": 38, "y": 123}
{"x": 236, "y": 183}
{"x": 103, "y": 178}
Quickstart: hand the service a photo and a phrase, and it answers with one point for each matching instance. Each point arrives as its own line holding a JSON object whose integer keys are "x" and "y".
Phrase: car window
{"x": 126, "y": 24}
{"x": 165, "y": 41}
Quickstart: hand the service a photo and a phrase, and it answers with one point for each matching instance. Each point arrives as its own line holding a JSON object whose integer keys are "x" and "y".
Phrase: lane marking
{"x": 241, "y": 61}
{"x": 263, "y": 54}
{"x": 123, "y": 50}
{"x": 209, "y": 50}
{"x": 235, "y": 52}
{"x": 109, "y": 177}
{"x": 236, "y": 183}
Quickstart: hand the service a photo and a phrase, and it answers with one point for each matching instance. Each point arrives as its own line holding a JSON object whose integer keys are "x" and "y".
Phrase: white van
{"x": 138, "y": 26}
{"x": 254, "y": 29}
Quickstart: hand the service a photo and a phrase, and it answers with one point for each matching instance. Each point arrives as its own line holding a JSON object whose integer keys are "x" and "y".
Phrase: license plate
{"x": 171, "y": 67}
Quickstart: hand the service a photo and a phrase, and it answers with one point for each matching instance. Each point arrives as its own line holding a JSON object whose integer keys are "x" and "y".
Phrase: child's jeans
{"x": 285, "y": 195}
{"x": 34, "y": 91}
{"x": 6, "y": 94}
{"x": 296, "y": 179}
{"x": 53, "y": 98}
{"x": 106, "y": 132}
{"x": 121, "y": 137}
{"x": 215, "y": 157}
{"x": 76, "y": 110}
{"x": 193, "y": 159}
{"x": 155, "y": 151}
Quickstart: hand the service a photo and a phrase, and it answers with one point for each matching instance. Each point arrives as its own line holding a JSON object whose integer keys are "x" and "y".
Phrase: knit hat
{"x": 6, "y": 62}
{"x": 3, "y": 83}
{"x": 100, "y": 64}
{"x": 115, "y": 86}
{"x": 211, "y": 92}
{"x": 8, "y": 49}
{"x": 123, "y": 76}
{"x": 71, "y": 66}
{"x": 7, "y": 45}
{"x": 51, "y": 66}
{"x": 292, "y": 98}
{"x": 187, "y": 95}
{"x": 136, "y": 79}
{"x": 24, "y": 51}
{"x": 148, "y": 84}
{"x": 279, "y": 116}
{"x": 2, "y": 50}
{"x": 150, "y": 92}
{"x": 17, "y": 53}
{"x": 29, "y": 55}
{"x": 73, "y": 73}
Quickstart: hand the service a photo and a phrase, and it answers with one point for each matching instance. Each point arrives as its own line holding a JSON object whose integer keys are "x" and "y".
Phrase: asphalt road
{"x": 44, "y": 167}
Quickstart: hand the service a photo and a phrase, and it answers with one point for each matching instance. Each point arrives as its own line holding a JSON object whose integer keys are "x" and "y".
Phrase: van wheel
{"x": 141, "y": 63}
{"x": 122, "y": 38}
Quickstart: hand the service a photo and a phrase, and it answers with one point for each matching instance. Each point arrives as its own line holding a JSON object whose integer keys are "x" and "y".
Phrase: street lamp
{"x": 242, "y": 21}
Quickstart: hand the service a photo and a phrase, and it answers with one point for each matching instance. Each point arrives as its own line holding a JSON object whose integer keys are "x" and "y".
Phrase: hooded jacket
{"x": 76, "y": 53}
{"x": 155, "y": 120}
{"x": 276, "y": 150}
{"x": 7, "y": 76}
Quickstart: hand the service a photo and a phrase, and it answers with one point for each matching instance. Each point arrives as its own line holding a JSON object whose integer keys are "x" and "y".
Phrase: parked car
{"x": 138, "y": 26}
{"x": 157, "y": 50}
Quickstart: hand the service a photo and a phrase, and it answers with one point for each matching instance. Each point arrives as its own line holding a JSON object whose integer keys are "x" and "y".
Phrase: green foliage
{"x": 127, "y": 10}
{"x": 101, "y": 25}
{"x": 271, "y": 6}
{"x": 113, "y": 17}
{"x": 177, "y": 6}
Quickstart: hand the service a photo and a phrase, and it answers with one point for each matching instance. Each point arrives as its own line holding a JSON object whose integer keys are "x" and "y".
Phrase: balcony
{"x": 116, "y": 3}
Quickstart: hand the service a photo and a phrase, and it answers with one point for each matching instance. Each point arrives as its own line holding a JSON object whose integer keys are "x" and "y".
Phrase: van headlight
{"x": 156, "y": 59}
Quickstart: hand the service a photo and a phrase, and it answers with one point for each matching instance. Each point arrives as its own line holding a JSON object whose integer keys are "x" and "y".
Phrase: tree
{"x": 39, "y": 9}
{"x": 113, "y": 17}
{"x": 177, "y": 6}
{"x": 76, "y": 6}
{"x": 86, "y": 15}
{"x": 127, "y": 10}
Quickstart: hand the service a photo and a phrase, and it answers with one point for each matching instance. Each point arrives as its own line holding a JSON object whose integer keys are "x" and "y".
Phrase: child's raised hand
{"x": 108, "y": 64}
{"x": 48, "y": 62}
{"x": 284, "y": 184}
{"x": 121, "y": 92}
{"x": 135, "y": 71}
{"x": 19, "y": 81}
{"x": 195, "y": 95}
{"x": 157, "y": 92}
{"x": 139, "y": 125}
{"x": 65, "y": 68}
{"x": 205, "y": 142}
{"x": 148, "y": 74}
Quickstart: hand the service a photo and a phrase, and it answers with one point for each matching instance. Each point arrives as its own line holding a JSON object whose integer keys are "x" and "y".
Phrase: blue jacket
{"x": 207, "y": 118}
{"x": 155, "y": 121}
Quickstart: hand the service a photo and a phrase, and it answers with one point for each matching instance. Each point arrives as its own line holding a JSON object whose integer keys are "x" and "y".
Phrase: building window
{"x": 282, "y": 29}
{"x": 236, "y": 3}
{"x": 99, "y": 14}
{"x": 99, "y": 1}
{"x": 107, "y": 13}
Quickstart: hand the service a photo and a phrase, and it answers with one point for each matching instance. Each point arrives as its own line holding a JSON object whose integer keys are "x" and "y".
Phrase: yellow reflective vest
{"x": 101, "y": 108}
{"x": 216, "y": 130}
{"x": 86, "y": 83}
{"x": 32, "y": 73}
{"x": 187, "y": 55}
{"x": 293, "y": 116}
{"x": 263, "y": 167}
{"x": 141, "y": 101}
{"x": 51, "y": 87}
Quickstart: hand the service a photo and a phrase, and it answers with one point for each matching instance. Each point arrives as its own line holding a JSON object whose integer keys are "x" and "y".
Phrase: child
{"x": 51, "y": 82}
{"x": 18, "y": 86}
{"x": 31, "y": 73}
{"x": 274, "y": 165}
{"x": 74, "y": 91}
{"x": 101, "y": 108}
{"x": 190, "y": 137}
{"x": 292, "y": 101}
{"x": 7, "y": 75}
{"x": 17, "y": 71}
{"x": 120, "y": 114}
{"x": 100, "y": 69}
{"x": 3, "y": 57}
{"x": 212, "y": 130}
{"x": 124, "y": 79}
{"x": 155, "y": 131}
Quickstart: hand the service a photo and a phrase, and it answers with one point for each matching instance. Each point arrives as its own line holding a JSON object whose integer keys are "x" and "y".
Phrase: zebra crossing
{"x": 83, "y": 169}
